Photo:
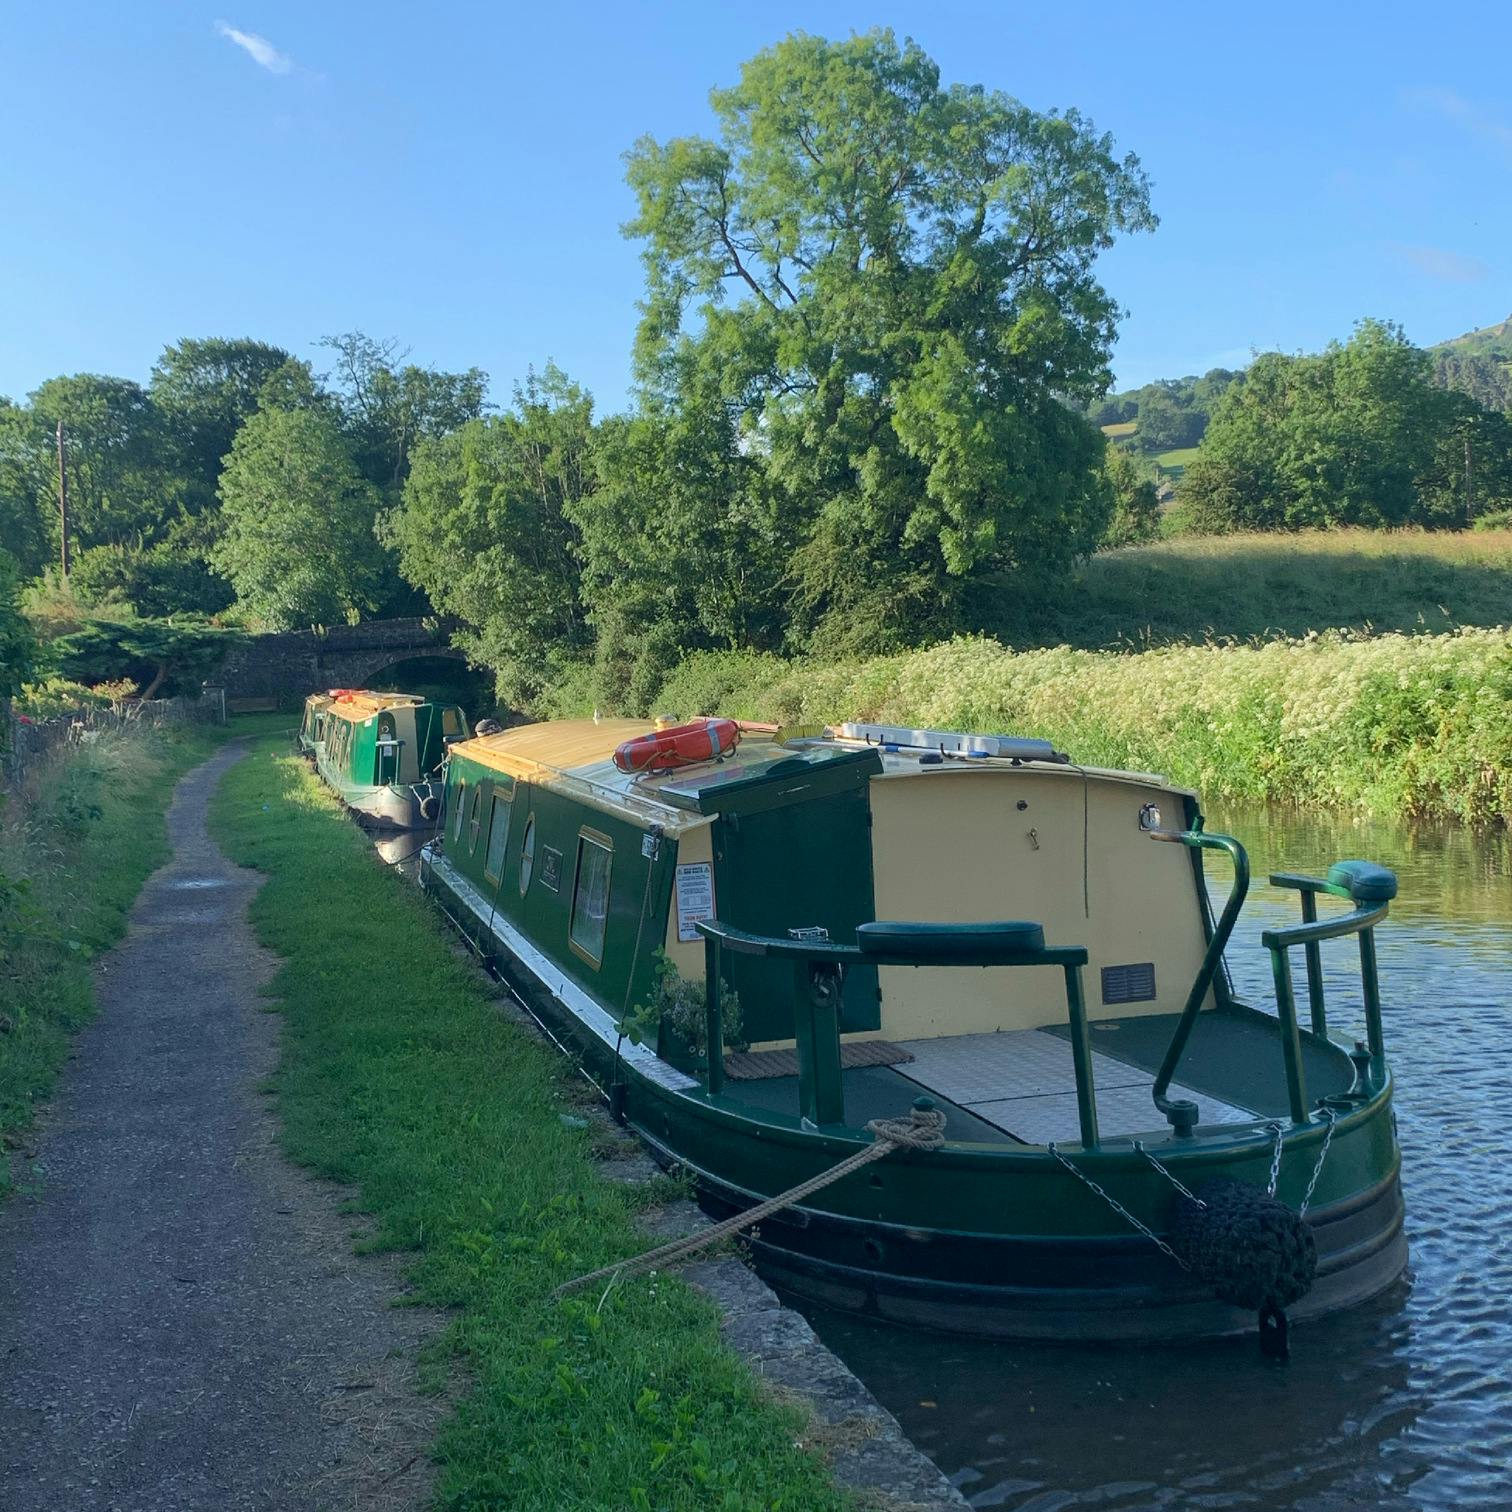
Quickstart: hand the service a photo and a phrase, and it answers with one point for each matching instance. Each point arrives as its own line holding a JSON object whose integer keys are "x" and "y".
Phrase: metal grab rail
{"x": 818, "y": 971}
{"x": 1370, "y": 888}
{"x": 1179, "y": 1111}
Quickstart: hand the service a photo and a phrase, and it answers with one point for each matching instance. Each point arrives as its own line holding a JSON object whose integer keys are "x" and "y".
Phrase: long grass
{"x": 1393, "y": 724}
{"x": 1262, "y": 586}
{"x": 76, "y": 844}
{"x": 398, "y": 1074}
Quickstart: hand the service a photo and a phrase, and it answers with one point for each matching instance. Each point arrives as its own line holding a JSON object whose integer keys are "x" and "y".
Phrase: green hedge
{"x": 1396, "y": 724}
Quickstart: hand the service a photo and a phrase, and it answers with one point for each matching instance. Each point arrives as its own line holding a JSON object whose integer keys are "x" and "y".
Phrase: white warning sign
{"x": 695, "y": 898}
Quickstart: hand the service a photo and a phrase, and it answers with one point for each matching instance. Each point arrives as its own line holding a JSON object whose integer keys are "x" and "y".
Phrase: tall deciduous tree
{"x": 122, "y": 484}
{"x": 891, "y": 281}
{"x": 486, "y": 528}
{"x": 298, "y": 543}
{"x": 390, "y": 405}
{"x": 684, "y": 545}
{"x": 204, "y": 390}
{"x": 26, "y": 474}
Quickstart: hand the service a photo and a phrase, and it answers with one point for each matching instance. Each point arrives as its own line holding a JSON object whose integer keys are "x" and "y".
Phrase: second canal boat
{"x": 383, "y": 753}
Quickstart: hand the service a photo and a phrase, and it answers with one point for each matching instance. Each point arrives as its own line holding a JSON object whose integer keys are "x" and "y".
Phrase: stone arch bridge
{"x": 279, "y": 671}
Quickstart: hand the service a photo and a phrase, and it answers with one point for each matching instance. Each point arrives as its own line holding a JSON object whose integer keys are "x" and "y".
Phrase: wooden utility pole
{"x": 63, "y": 499}
{"x": 1469, "y": 491}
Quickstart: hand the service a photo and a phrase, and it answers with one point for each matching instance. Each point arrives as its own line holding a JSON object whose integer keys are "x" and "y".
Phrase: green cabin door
{"x": 803, "y": 865}
{"x": 388, "y": 750}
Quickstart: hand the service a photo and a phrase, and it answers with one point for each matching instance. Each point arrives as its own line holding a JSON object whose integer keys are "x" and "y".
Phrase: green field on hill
{"x": 1181, "y": 457}
{"x": 1260, "y": 586}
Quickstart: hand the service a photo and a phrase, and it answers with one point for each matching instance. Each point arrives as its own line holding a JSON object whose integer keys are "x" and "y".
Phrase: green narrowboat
{"x": 1018, "y": 947}
{"x": 383, "y": 753}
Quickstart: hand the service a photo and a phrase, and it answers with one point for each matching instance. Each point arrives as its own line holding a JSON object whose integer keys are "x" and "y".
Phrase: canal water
{"x": 1405, "y": 1404}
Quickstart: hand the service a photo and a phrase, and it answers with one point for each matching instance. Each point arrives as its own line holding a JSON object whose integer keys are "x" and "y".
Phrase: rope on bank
{"x": 923, "y": 1129}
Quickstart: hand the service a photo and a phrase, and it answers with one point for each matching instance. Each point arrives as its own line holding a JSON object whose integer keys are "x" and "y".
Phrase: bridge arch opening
{"x": 444, "y": 679}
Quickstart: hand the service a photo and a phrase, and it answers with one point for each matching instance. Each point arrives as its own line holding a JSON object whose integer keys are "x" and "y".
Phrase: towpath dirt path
{"x": 182, "y": 1321}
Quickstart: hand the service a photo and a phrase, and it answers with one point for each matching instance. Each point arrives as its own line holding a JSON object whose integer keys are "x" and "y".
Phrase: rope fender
{"x": 923, "y": 1129}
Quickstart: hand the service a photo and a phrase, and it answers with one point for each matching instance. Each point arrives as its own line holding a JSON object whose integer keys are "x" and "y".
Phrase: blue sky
{"x": 449, "y": 174}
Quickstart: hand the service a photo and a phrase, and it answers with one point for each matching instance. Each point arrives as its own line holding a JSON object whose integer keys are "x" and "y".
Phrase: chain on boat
{"x": 1119, "y": 1208}
{"x": 1254, "y": 1251}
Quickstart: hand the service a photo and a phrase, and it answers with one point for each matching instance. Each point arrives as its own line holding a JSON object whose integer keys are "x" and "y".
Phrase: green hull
{"x": 996, "y": 1239}
{"x": 382, "y": 754}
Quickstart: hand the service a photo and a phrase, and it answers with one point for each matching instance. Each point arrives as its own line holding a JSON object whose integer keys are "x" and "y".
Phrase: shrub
{"x": 1410, "y": 724}
{"x": 679, "y": 1004}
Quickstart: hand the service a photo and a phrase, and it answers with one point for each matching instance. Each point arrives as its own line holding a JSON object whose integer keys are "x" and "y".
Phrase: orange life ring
{"x": 681, "y": 745}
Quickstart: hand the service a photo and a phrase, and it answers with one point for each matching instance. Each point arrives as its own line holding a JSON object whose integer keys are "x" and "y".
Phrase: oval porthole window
{"x": 527, "y": 855}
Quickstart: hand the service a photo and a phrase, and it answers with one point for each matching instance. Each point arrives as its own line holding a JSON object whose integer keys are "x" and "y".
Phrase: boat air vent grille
{"x": 1131, "y": 983}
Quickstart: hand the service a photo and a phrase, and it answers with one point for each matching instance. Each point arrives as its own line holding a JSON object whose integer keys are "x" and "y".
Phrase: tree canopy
{"x": 204, "y": 391}
{"x": 298, "y": 518}
{"x": 889, "y": 282}
{"x": 1357, "y": 434}
{"x": 486, "y": 528}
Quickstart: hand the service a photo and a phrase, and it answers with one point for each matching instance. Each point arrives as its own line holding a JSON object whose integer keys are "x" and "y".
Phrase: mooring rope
{"x": 923, "y": 1129}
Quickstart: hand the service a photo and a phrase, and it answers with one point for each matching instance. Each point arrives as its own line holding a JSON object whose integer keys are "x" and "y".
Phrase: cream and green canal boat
{"x": 969, "y": 929}
{"x": 383, "y": 753}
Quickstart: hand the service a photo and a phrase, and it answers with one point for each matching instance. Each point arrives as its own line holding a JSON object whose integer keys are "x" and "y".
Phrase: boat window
{"x": 527, "y": 855}
{"x": 498, "y": 835}
{"x": 590, "y": 896}
{"x": 451, "y": 721}
{"x": 457, "y": 822}
{"x": 475, "y": 819}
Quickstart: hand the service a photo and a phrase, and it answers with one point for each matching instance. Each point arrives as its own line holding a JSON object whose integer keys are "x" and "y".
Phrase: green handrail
{"x": 1370, "y": 888}
{"x": 1179, "y": 1111}
{"x": 818, "y": 967}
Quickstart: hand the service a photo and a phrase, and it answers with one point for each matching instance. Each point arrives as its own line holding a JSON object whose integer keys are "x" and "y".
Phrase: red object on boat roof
{"x": 681, "y": 745}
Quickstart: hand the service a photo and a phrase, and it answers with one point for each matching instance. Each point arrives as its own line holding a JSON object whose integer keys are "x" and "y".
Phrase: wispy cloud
{"x": 259, "y": 49}
{"x": 1446, "y": 266}
{"x": 1466, "y": 114}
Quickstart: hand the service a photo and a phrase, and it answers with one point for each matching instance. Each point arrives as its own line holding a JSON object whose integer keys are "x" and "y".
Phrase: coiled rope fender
{"x": 923, "y": 1129}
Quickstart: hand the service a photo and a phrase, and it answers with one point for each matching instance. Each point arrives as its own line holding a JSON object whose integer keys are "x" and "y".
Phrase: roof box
{"x": 950, "y": 742}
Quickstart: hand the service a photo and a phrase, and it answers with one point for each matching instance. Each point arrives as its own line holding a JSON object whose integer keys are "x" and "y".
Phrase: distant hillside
{"x": 1166, "y": 420}
{"x": 1479, "y": 363}
{"x": 1488, "y": 341}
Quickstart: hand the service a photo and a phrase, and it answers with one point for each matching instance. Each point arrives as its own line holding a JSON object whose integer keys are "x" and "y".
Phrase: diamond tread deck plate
{"x": 1023, "y": 1082}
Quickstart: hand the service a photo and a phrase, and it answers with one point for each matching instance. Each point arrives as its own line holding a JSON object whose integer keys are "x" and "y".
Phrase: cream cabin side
{"x": 1057, "y": 845}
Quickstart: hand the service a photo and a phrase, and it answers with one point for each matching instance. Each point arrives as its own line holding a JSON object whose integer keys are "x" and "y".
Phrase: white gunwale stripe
{"x": 572, "y": 997}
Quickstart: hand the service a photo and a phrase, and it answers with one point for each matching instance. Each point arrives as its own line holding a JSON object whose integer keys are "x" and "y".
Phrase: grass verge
{"x": 399, "y": 1075}
{"x": 76, "y": 844}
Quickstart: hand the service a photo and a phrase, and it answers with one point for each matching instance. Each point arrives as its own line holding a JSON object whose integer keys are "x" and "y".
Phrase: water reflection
{"x": 401, "y": 848}
{"x": 1403, "y": 1404}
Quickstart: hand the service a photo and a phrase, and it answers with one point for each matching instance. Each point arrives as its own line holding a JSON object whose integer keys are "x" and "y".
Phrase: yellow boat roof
{"x": 563, "y": 745}
{"x": 360, "y": 706}
{"x": 577, "y": 755}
